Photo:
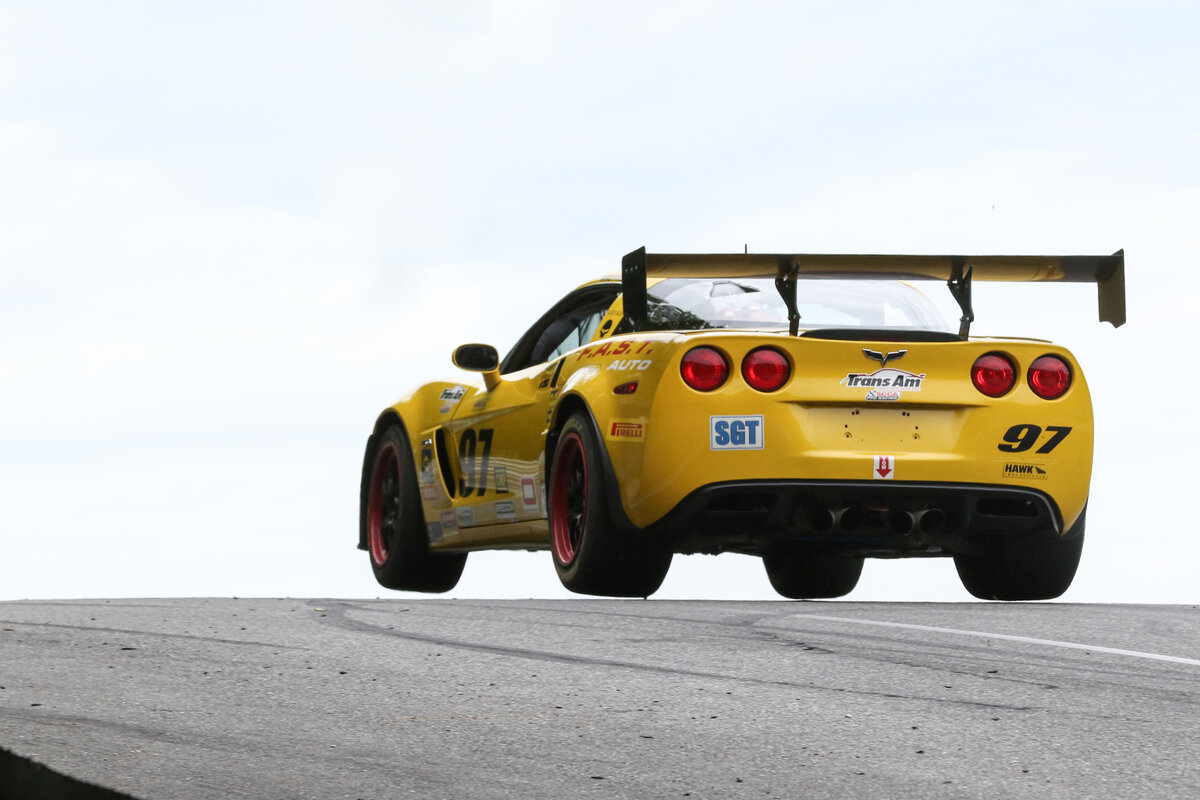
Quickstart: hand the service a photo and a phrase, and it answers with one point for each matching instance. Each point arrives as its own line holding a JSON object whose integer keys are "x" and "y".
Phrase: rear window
{"x": 693, "y": 304}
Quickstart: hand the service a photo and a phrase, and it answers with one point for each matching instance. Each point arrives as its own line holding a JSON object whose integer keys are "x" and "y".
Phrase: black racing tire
{"x": 808, "y": 575}
{"x": 395, "y": 523}
{"x": 1026, "y": 568}
{"x": 592, "y": 555}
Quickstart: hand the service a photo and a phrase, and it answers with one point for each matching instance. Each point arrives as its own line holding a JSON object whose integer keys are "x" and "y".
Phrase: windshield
{"x": 691, "y": 304}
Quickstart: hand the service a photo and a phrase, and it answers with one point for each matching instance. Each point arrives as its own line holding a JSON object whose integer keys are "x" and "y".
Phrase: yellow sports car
{"x": 813, "y": 410}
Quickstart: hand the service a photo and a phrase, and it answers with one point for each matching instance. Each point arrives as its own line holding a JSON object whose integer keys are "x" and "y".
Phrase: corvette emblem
{"x": 883, "y": 358}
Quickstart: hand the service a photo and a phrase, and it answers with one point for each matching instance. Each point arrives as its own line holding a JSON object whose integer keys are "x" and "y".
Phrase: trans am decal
{"x": 886, "y": 384}
{"x": 451, "y": 397}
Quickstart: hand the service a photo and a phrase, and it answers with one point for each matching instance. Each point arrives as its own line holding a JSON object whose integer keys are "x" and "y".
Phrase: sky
{"x": 232, "y": 233}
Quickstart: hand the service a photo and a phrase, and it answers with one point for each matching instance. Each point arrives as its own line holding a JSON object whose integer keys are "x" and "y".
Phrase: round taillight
{"x": 766, "y": 369}
{"x": 1049, "y": 377}
{"x": 704, "y": 369}
{"x": 994, "y": 374}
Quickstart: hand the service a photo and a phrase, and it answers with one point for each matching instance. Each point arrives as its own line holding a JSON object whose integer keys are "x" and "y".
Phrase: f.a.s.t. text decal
{"x": 623, "y": 348}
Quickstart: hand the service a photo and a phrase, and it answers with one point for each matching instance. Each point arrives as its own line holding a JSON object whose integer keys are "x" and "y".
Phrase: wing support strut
{"x": 785, "y": 282}
{"x": 960, "y": 289}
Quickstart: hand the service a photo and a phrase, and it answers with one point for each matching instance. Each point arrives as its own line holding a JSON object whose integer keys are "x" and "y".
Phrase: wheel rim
{"x": 383, "y": 509}
{"x": 568, "y": 498}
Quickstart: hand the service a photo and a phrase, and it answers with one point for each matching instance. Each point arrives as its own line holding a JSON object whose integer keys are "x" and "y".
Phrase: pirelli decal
{"x": 626, "y": 430}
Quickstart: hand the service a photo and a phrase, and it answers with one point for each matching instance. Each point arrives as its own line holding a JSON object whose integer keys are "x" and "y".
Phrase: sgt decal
{"x": 736, "y": 432}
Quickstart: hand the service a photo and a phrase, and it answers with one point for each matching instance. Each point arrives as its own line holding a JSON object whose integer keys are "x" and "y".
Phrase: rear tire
{"x": 395, "y": 523}
{"x": 806, "y": 575}
{"x": 591, "y": 554}
{"x": 1022, "y": 569}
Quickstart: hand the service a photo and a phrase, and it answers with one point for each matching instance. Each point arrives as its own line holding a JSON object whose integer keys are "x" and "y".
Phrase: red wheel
{"x": 383, "y": 510}
{"x": 568, "y": 498}
{"x": 395, "y": 523}
{"x": 592, "y": 555}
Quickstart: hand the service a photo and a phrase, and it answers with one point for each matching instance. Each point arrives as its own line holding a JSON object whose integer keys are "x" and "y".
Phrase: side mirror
{"x": 476, "y": 357}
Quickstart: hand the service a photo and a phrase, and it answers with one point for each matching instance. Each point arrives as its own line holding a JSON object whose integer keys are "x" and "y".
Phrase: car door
{"x": 497, "y": 434}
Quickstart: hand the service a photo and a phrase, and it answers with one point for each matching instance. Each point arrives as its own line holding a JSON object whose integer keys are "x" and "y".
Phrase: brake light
{"x": 994, "y": 374}
{"x": 766, "y": 369}
{"x": 1049, "y": 377}
{"x": 704, "y": 369}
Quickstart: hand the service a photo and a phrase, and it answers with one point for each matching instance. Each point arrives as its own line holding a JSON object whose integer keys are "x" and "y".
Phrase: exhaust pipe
{"x": 821, "y": 519}
{"x": 931, "y": 520}
{"x": 924, "y": 520}
{"x": 844, "y": 520}
{"x": 901, "y": 521}
{"x": 848, "y": 519}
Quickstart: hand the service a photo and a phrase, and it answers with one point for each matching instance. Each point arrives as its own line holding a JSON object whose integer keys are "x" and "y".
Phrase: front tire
{"x": 1022, "y": 569}
{"x": 395, "y": 523}
{"x": 592, "y": 555}
{"x": 807, "y": 575}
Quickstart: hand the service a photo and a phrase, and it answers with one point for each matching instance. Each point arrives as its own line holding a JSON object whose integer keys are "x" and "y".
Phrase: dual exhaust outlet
{"x": 900, "y": 521}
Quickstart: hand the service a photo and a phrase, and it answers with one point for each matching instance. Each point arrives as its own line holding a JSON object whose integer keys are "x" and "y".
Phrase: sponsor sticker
{"x": 450, "y": 398}
{"x": 529, "y": 494}
{"x": 622, "y": 348}
{"x": 884, "y": 469}
{"x": 428, "y": 492}
{"x": 886, "y": 385}
{"x": 732, "y": 432}
{"x": 1030, "y": 472}
{"x": 466, "y": 517}
{"x": 505, "y": 510}
{"x": 449, "y": 520}
{"x": 434, "y": 531}
{"x": 501, "y": 476}
{"x": 626, "y": 430}
{"x": 630, "y": 364}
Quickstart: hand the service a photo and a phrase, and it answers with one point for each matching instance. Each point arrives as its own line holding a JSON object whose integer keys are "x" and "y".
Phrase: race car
{"x": 811, "y": 410}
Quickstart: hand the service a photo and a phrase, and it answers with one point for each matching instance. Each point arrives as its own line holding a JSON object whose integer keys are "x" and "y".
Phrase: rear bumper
{"x": 871, "y": 517}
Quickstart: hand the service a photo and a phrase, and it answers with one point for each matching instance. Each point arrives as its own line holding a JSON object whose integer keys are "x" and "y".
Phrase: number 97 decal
{"x": 1020, "y": 438}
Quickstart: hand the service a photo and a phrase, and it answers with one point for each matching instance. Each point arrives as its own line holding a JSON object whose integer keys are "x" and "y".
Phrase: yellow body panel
{"x": 482, "y": 458}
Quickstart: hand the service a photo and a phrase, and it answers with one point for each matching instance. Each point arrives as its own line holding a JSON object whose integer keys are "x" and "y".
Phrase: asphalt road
{"x": 229, "y": 698}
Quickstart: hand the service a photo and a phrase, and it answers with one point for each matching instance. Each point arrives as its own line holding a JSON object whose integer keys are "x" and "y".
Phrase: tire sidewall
{"x": 409, "y": 519}
{"x": 576, "y": 440}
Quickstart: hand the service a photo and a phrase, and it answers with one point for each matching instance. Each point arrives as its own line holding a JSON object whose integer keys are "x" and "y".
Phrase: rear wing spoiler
{"x": 1107, "y": 272}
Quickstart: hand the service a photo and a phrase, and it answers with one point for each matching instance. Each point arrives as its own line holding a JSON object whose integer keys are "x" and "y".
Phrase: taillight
{"x": 766, "y": 369}
{"x": 994, "y": 374}
{"x": 704, "y": 369}
{"x": 1049, "y": 377}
